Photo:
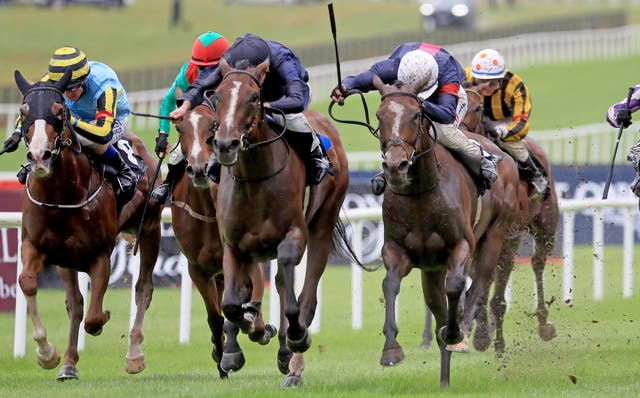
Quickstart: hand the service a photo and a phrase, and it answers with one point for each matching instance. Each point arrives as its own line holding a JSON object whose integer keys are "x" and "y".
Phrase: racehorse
{"x": 71, "y": 219}
{"x": 195, "y": 226}
{"x": 538, "y": 214}
{"x": 263, "y": 212}
{"x": 434, "y": 219}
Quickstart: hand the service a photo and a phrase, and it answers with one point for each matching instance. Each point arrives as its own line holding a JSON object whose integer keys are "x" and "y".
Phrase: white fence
{"x": 357, "y": 217}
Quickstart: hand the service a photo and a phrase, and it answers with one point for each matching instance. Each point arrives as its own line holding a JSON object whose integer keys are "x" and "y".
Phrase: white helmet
{"x": 488, "y": 64}
{"x": 417, "y": 65}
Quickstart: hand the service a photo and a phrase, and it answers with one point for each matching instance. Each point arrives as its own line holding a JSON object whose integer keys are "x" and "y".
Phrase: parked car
{"x": 455, "y": 13}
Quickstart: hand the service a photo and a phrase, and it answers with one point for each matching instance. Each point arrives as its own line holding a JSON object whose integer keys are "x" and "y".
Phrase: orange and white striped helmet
{"x": 488, "y": 64}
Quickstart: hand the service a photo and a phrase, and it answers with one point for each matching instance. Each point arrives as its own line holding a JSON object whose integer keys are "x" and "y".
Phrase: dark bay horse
{"x": 538, "y": 215}
{"x": 434, "y": 219}
{"x": 196, "y": 229}
{"x": 70, "y": 219}
{"x": 263, "y": 212}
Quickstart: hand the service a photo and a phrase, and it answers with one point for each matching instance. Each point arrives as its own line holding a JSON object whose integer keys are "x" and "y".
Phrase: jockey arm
{"x": 208, "y": 79}
{"x": 615, "y": 109}
{"x": 520, "y": 109}
{"x": 168, "y": 104}
{"x": 99, "y": 130}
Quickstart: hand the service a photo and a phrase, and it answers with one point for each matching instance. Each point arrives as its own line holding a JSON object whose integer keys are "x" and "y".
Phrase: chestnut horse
{"x": 195, "y": 226}
{"x": 263, "y": 212}
{"x": 70, "y": 218}
{"x": 434, "y": 219}
{"x": 538, "y": 215}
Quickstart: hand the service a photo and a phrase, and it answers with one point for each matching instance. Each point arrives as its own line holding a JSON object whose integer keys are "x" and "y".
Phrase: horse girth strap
{"x": 185, "y": 206}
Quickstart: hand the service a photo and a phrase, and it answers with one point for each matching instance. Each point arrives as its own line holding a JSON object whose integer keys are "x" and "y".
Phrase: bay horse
{"x": 434, "y": 219}
{"x": 538, "y": 214}
{"x": 193, "y": 216}
{"x": 70, "y": 219}
{"x": 263, "y": 212}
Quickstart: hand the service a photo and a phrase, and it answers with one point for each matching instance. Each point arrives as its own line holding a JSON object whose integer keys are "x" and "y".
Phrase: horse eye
{"x": 24, "y": 109}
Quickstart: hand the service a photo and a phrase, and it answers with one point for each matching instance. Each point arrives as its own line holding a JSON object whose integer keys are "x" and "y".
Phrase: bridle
{"x": 256, "y": 124}
{"x": 60, "y": 142}
{"x": 420, "y": 134}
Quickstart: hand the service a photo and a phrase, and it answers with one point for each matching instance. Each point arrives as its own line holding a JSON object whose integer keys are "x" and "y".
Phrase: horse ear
{"x": 262, "y": 69}
{"x": 23, "y": 84}
{"x": 379, "y": 85}
{"x": 224, "y": 66}
{"x": 61, "y": 84}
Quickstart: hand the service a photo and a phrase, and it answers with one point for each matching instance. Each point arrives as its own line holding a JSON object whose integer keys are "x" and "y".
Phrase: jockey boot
{"x": 320, "y": 165}
{"x": 533, "y": 175}
{"x": 634, "y": 158}
{"x": 478, "y": 166}
{"x": 24, "y": 171}
{"x": 213, "y": 169}
{"x": 378, "y": 184}
{"x": 125, "y": 181}
{"x": 161, "y": 193}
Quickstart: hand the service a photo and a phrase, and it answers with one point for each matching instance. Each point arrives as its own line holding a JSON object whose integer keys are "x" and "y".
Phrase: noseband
{"x": 398, "y": 141}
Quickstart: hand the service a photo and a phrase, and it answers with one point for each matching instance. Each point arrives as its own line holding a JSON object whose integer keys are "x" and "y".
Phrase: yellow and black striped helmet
{"x": 68, "y": 58}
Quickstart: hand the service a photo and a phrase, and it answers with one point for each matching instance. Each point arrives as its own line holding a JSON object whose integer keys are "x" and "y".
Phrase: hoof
{"x": 462, "y": 346}
{"x": 48, "y": 361}
{"x": 233, "y": 362}
{"x": 284, "y": 357}
{"x": 392, "y": 357}
{"x": 270, "y": 331}
{"x": 444, "y": 338}
{"x": 300, "y": 345}
{"x": 293, "y": 380}
{"x": 547, "y": 332}
{"x": 135, "y": 365}
{"x": 481, "y": 340}
{"x": 68, "y": 372}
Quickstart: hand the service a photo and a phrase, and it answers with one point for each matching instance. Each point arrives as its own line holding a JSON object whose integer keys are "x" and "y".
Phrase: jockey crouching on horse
{"x": 619, "y": 116}
{"x": 205, "y": 55}
{"x": 99, "y": 114}
{"x": 506, "y": 109}
{"x": 285, "y": 88}
{"x": 444, "y": 101}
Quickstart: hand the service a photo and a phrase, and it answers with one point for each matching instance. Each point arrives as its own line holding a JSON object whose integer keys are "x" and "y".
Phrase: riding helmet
{"x": 69, "y": 58}
{"x": 488, "y": 64}
{"x": 208, "y": 48}
{"x": 249, "y": 47}
{"x": 418, "y": 66}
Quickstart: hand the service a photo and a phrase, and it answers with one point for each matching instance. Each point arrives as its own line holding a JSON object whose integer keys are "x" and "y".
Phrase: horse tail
{"x": 341, "y": 246}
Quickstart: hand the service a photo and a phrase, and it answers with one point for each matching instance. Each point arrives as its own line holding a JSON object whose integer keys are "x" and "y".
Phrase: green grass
{"x": 597, "y": 342}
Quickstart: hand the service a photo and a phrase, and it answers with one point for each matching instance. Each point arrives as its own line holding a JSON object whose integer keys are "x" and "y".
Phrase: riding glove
{"x": 501, "y": 132}
{"x": 338, "y": 93}
{"x": 623, "y": 118}
{"x": 12, "y": 143}
{"x": 161, "y": 143}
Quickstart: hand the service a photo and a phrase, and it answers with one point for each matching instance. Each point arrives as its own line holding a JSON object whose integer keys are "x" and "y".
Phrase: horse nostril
{"x": 404, "y": 166}
{"x": 235, "y": 144}
{"x": 190, "y": 170}
{"x": 46, "y": 155}
{"x": 30, "y": 156}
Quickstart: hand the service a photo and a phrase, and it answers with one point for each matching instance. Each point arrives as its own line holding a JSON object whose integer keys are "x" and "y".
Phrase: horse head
{"x": 239, "y": 111}
{"x": 45, "y": 121}
{"x": 473, "y": 119}
{"x": 193, "y": 131}
{"x": 404, "y": 129}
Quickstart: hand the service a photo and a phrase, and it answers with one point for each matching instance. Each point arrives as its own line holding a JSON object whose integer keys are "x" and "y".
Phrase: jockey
{"x": 507, "y": 105}
{"x": 620, "y": 117}
{"x": 205, "y": 55}
{"x": 285, "y": 87}
{"x": 99, "y": 113}
{"x": 444, "y": 101}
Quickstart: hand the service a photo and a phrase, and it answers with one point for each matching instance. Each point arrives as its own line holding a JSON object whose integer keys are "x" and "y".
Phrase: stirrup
{"x": 321, "y": 166}
{"x": 378, "y": 184}
{"x": 161, "y": 193}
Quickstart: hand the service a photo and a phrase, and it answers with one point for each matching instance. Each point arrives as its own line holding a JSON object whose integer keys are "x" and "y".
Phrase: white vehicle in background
{"x": 447, "y": 13}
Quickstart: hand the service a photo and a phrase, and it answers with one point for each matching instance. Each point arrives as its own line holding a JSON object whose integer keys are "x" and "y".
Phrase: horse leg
{"x": 284, "y": 352}
{"x": 75, "y": 308}
{"x": 232, "y": 355}
{"x": 208, "y": 288}
{"x": 543, "y": 247}
{"x": 290, "y": 252}
{"x": 262, "y": 333}
{"x": 96, "y": 318}
{"x": 47, "y": 354}
{"x": 427, "y": 334}
{"x": 398, "y": 266}
{"x": 498, "y": 303}
{"x": 434, "y": 292}
{"x": 134, "y": 360}
{"x": 488, "y": 251}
